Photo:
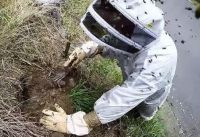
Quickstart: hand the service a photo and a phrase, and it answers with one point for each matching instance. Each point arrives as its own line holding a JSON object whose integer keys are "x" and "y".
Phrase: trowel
{"x": 59, "y": 76}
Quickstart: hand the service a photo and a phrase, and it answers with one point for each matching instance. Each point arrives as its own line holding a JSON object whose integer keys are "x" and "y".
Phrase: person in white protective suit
{"x": 131, "y": 31}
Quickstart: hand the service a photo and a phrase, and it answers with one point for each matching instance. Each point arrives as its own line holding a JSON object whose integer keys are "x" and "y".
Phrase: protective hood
{"x": 128, "y": 25}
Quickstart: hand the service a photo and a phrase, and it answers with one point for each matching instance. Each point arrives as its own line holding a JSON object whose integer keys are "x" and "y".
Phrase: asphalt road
{"x": 185, "y": 96}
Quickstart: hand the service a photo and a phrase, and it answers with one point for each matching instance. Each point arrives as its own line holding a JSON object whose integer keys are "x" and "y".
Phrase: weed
{"x": 83, "y": 97}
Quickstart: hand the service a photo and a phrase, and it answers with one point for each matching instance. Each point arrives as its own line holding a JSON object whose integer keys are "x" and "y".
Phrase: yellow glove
{"x": 61, "y": 122}
{"x": 89, "y": 49}
{"x": 55, "y": 121}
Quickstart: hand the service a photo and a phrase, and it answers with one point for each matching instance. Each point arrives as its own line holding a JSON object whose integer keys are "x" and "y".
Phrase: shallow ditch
{"x": 38, "y": 91}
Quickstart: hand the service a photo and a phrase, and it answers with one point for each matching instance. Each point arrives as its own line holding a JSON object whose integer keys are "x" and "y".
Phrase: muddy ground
{"x": 39, "y": 91}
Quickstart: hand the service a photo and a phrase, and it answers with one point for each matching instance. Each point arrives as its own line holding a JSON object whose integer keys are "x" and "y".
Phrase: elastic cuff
{"x": 92, "y": 119}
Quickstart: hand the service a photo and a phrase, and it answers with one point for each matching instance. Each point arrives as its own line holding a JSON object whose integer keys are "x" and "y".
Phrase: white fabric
{"x": 146, "y": 72}
{"x": 151, "y": 70}
{"x": 90, "y": 48}
{"x": 47, "y": 2}
{"x": 76, "y": 125}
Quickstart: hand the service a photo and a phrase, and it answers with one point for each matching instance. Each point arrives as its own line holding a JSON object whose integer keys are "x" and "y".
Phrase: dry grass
{"x": 29, "y": 39}
{"x": 72, "y": 13}
{"x": 13, "y": 123}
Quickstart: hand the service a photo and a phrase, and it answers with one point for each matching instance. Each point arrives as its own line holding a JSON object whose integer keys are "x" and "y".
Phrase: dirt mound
{"x": 39, "y": 92}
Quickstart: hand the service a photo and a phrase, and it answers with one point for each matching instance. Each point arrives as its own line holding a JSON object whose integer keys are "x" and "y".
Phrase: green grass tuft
{"x": 140, "y": 128}
{"x": 99, "y": 76}
{"x": 83, "y": 97}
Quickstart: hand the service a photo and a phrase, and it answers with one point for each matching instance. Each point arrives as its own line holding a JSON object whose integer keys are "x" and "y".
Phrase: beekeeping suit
{"x": 131, "y": 31}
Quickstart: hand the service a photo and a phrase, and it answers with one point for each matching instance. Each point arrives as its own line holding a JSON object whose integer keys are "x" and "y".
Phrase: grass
{"x": 140, "y": 128}
{"x": 99, "y": 75}
{"x": 102, "y": 73}
{"x": 83, "y": 97}
{"x": 30, "y": 40}
{"x": 72, "y": 13}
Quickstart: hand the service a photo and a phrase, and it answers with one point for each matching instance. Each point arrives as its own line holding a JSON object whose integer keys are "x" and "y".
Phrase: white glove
{"x": 75, "y": 58}
{"x": 89, "y": 49}
{"x": 61, "y": 122}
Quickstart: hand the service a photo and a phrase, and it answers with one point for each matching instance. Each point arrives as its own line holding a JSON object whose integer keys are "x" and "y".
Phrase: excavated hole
{"x": 38, "y": 91}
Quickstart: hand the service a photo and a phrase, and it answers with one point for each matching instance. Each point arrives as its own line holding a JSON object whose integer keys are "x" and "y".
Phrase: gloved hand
{"x": 61, "y": 122}
{"x": 89, "y": 49}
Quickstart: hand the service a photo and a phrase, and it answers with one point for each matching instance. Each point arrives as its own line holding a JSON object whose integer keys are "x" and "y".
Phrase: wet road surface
{"x": 185, "y": 96}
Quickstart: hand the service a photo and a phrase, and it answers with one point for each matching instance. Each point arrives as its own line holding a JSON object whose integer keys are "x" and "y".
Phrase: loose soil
{"x": 38, "y": 91}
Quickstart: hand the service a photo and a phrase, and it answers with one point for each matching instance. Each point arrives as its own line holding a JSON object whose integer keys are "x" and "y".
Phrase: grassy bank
{"x": 30, "y": 40}
{"x": 26, "y": 42}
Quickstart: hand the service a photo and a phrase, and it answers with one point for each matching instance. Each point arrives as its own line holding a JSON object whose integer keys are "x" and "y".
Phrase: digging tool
{"x": 89, "y": 49}
{"x": 60, "y": 76}
{"x": 74, "y": 59}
